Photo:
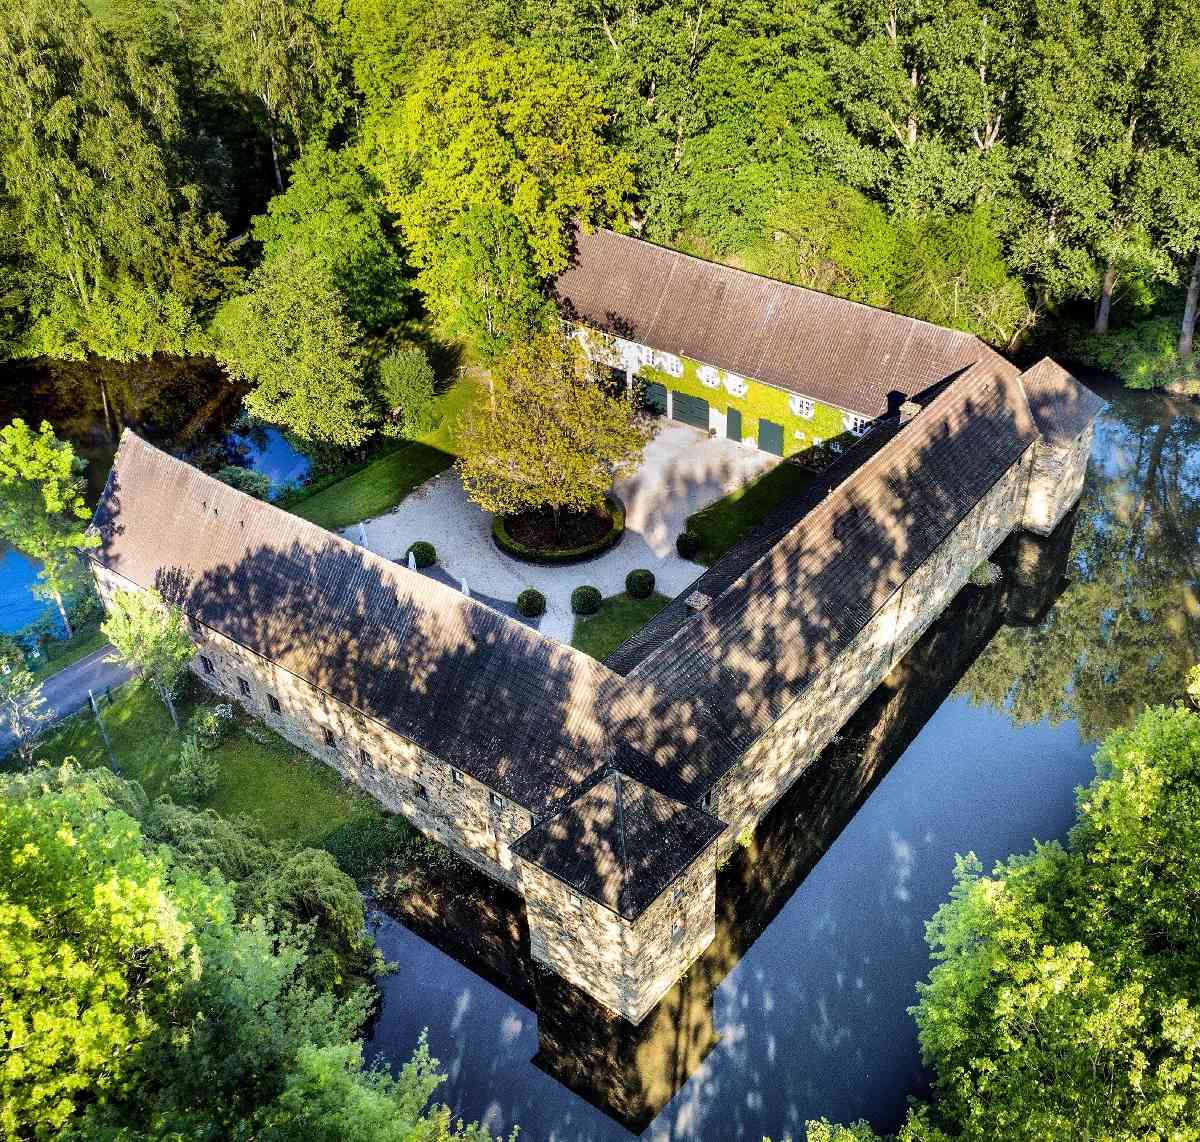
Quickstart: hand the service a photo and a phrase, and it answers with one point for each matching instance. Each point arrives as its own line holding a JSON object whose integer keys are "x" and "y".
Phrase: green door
{"x": 733, "y": 424}
{"x": 654, "y": 397}
{"x": 689, "y": 409}
{"x": 770, "y": 436}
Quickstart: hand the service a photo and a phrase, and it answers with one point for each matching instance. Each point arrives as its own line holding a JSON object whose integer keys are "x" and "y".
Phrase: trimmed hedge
{"x": 424, "y": 552}
{"x": 531, "y": 603}
{"x": 510, "y": 546}
{"x": 687, "y": 543}
{"x": 585, "y": 600}
{"x": 639, "y": 583}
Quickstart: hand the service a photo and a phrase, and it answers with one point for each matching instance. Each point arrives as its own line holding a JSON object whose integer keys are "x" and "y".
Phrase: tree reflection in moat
{"x": 1127, "y": 629}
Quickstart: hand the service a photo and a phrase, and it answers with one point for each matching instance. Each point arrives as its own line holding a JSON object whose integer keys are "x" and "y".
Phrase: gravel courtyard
{"x": 682, "y": 470}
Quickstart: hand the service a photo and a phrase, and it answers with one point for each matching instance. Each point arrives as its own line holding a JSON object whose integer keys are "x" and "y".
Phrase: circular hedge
{"x": 687, "y": 543}
{"x": 510, "y": 546}
{"x": 531, "y": 603}
{"x": 424, "y": 553}
{"x": 639, "y": 583}
{"x": 585, "y": 600}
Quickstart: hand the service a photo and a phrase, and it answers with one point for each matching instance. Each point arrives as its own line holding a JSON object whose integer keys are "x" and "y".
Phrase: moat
{"x": 798, "y": 1009}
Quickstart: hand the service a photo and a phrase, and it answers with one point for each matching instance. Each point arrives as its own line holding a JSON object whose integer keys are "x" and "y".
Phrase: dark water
{"x": 976, "y": 743}
{"x": 184, "y": 406}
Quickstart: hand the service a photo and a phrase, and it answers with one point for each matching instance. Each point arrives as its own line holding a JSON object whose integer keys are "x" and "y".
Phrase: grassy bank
{"x": 618, "y": 617}
{"x": 722, "y": 524}
{"x": 291, "y": 795}
{"x": 59, "y": 654}
{"x": 380, "y": 485}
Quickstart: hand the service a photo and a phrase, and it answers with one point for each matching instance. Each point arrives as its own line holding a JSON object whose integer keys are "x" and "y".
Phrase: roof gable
{"x": 1062, "y": 407}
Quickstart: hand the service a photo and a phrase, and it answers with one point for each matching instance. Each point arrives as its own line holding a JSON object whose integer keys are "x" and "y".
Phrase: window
{"x": 206, "y": 662}
{"x": 244, "y": 687}
{"x": 706, "y": 801}
{"x": 365, "y": 757}
{"x": 330, "y": 740}
{"x": 273, "y": 702}
{"x": 677, "y": 934}
{"x": 669, "y": 364}
{"x": 422, "y": 792}
{"x": 196, "y": 627}
{"x": 678, "y": 896}
{"x": 709, "y": 377}
{"x": 456, "y": 776}
{"x": 735, "y": 386}
{"x": 497, "y": 801}
{"x": 856, "y": 424}
{"x": 801, "y": 406}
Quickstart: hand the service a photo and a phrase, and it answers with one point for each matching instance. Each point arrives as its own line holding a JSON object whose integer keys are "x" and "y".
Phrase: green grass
{"x": 618, "y": 617}
{"x": 60, "y": 654}
{"x": 381, "y": 485}
{"x": 723, "y": 523}
{"x": 292, "y": 795}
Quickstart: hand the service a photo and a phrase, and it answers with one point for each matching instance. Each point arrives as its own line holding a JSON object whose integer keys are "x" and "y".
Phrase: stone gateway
{"x": 607, "y": 793}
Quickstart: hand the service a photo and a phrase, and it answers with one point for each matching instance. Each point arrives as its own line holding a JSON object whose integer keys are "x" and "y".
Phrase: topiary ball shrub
{"x": 531, "y": 603}
{"x": 585, "y": 600}
{"x": 424, "y": 553}
{"x": 687, "y": 543}
{"x": 639, "y": 584}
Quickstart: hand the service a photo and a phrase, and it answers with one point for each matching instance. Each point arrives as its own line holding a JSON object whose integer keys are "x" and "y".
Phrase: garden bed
{"x": 534, "y": 538}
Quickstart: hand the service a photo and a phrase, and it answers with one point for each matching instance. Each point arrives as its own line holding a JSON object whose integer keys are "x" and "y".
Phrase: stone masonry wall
{"x": 1056, "y": 481}
{"x": 458, "y": 811}
{"x": 772, "y": 764}
{"x": 626, "y": 965}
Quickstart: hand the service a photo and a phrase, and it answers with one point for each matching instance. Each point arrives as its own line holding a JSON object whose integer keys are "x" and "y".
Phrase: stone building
{"x": 606, "y": 794}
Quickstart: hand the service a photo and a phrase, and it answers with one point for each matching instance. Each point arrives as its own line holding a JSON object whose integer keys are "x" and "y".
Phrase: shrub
{"x": 531, "y": 603}
{"x": 406, "y": 388}
{"x": 210, "y": 724}
{"x": 986, "y": 574}
{"x": 585, "y": 600}
{"x": 196, "y": 777}
{"x": 639, "y": 583}
{"x": 424, "y": 553}
{"x": 687, "y": 543}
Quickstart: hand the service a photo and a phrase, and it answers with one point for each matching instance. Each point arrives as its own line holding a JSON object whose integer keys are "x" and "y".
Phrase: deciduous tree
{"x": 22, "y": 704}
{"x": 406, "y": 389}
{"x": 150, "y": 637}
{"x": 551, "y": 436}
{"x": 41, "y": 504}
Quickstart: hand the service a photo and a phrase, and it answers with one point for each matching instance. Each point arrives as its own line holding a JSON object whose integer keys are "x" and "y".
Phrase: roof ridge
{"x": 619, "y": 795}
{"x": 915, "y": 321}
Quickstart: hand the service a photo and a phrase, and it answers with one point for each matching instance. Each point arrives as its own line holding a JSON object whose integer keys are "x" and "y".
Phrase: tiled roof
{"x": 769, "y": 635}
{"x": 514, "y": 709}
{"x": 1062, "y": 407}
{"x": 841, "y": 352}
{"x": 619, "y": 842}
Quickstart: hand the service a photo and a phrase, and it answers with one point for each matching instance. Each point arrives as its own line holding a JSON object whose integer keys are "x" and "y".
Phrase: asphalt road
{"x": 67, "y": 691}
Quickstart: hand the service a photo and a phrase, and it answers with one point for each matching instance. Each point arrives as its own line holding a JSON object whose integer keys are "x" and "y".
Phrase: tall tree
{"x": 41, "y": 504}
{"x": 290, "y": 338}
{"x": 23, "y": 709}
{"x": 152, "y": 639}
{"x": 122, "y": 261}
{"x": 496, "y": 126}
{"x": 551, "y": 437}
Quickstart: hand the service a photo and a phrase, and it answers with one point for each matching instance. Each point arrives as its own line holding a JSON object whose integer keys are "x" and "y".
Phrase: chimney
{"x": 908, "y": 410}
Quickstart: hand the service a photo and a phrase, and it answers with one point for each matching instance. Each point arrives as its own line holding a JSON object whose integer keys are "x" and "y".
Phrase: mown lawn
{"x": 618, "y": 617}
{"x": 292, "y": 795}
{"x": 722, "y": 524}
{"x": 383, "y": 483}
{"x": 60, "y": 654}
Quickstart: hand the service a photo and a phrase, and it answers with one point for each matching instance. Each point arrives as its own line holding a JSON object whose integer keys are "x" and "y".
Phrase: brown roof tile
{"x": 842, "y": 352}
{"x": 1062, "y": 407}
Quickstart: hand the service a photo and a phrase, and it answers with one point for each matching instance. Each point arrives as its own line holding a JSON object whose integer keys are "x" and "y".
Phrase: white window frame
{"x": 709, "y": 376}
{"x": 856, "y": 425}
{"x": 668, "y": 363}
{"x": 803, "y": 407}
{"x": 735, "y": 386}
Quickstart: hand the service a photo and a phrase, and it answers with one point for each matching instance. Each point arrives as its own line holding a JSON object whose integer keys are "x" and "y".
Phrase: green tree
{"x": 483, "y": 285}
{"x": 281, "y": 54}
{"x": 492, "y": 125}
{"x": 290, "y": 337}
{"x": 22, "y": 704}
{"x": 118, "y": 257}
{"x": 152, "y": 638}
{"x": 331, "y": 211}
{"x": 550, "y": 437}
{"x": 406, "y": 388}
{"x": 246, "y": 480}
{"x": 41, "y": 504}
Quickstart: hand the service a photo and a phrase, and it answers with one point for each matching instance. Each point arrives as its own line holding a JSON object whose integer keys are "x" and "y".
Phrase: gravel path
{"x": 682, "y": 470}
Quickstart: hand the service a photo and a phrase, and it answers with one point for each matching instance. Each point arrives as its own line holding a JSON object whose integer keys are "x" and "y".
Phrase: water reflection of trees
{"x": 1127, "y": 629}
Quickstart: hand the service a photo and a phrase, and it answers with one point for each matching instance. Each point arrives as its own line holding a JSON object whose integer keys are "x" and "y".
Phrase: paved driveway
{"x": 681, "y": 471}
